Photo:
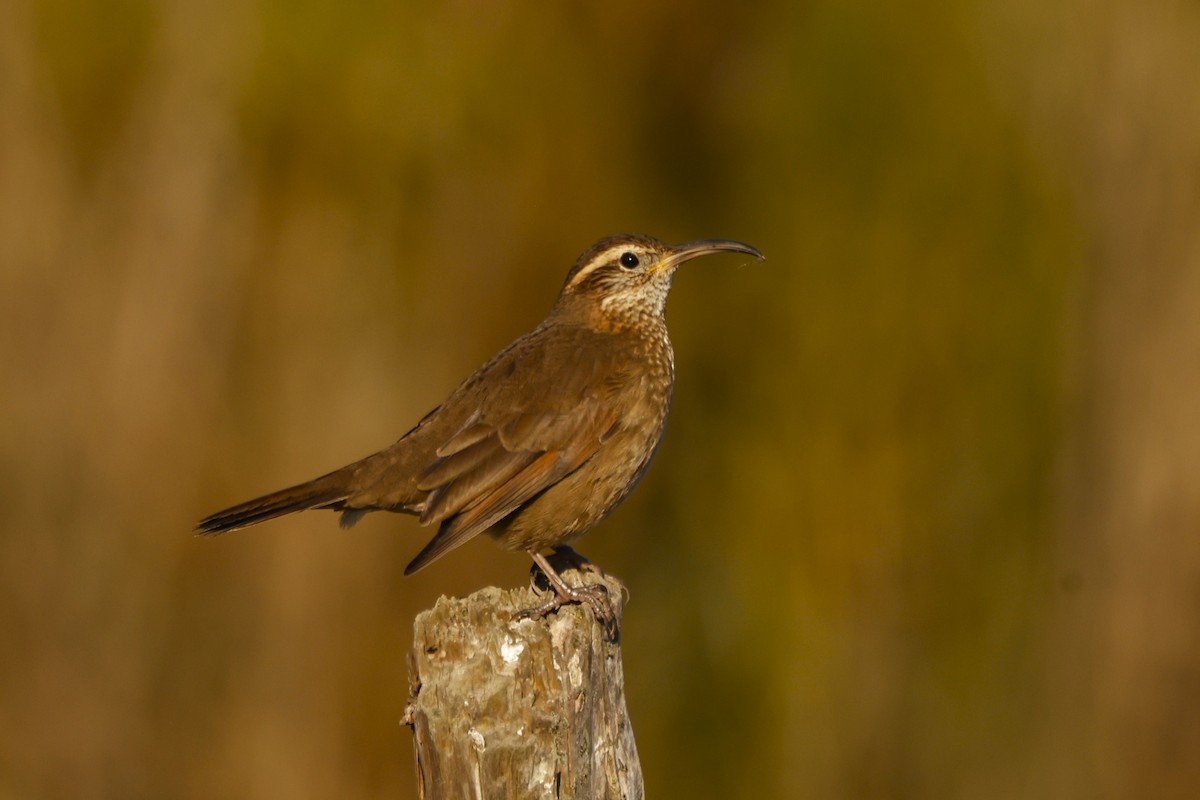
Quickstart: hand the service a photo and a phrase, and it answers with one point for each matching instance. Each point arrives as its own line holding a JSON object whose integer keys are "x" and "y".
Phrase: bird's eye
{"x": 629, "y": 261}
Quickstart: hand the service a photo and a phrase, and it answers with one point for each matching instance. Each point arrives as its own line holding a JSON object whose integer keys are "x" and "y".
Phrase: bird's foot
{"x": 595, "y": 595}
{"x": 567, "y": 557}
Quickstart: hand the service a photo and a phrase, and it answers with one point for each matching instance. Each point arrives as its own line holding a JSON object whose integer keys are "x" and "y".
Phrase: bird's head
{"x": 628, "y": 276}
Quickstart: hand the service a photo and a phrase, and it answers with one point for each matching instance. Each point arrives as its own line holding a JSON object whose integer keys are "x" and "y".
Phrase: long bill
{"x": 704, "y": 247}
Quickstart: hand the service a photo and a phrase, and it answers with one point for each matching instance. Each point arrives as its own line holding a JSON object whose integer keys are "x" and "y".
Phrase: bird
{"x": 544, "y": 440}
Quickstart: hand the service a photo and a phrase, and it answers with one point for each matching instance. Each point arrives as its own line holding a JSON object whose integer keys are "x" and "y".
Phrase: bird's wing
{"x": 530, "y": 431}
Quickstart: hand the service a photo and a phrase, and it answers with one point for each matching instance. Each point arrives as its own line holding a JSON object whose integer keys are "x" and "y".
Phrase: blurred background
{"x": 926, "y": 523}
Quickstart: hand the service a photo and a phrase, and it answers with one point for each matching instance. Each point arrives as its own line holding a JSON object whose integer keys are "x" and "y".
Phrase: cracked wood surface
{"x": 519, "y": 709}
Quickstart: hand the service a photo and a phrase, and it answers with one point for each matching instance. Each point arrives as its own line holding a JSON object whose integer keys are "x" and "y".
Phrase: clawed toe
{"x": 595, "y": 595}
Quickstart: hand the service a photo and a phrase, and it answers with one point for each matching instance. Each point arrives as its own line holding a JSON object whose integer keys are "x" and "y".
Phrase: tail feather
{"x": 324, "y": 492}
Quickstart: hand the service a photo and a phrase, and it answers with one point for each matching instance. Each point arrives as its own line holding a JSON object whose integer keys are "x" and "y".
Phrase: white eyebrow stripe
{"x": 602, "y": 258}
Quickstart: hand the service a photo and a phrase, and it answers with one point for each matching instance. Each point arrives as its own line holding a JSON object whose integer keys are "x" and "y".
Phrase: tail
{"x": 327, "y": 491}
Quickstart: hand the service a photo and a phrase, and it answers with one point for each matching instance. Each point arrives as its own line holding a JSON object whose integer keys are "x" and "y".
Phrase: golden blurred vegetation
{"x": 925, "y": 524}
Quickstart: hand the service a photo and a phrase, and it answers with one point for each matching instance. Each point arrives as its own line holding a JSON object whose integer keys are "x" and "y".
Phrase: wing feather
{"x": 509, "y": 451}
{"x": 463, "y": 488}
{"x": 541, "y": 472}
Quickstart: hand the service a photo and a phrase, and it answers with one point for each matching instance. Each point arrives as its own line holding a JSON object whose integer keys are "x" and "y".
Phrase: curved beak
{"x": 705, "y": 247}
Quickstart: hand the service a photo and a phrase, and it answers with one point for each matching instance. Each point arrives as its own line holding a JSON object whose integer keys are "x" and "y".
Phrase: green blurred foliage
{"x": 243, "y": 243}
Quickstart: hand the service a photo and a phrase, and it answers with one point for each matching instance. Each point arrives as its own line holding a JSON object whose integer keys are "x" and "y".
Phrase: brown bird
{"x": 542, "y": 441}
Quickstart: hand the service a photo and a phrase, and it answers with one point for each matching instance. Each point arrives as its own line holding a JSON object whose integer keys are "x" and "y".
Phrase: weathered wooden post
{"x": 528, "y": 709}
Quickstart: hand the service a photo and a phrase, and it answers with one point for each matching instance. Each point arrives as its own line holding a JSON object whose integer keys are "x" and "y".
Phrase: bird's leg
{"x": 579, "y": 561}
{"x": 595, "y": 595}
{"x": 569, "y": 558}
{"x": 575, "y": 559}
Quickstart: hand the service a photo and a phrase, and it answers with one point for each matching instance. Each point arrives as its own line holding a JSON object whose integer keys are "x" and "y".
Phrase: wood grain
{"x": 528, "y": 709}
